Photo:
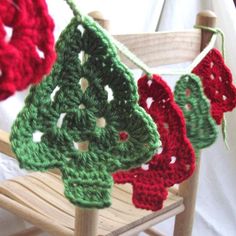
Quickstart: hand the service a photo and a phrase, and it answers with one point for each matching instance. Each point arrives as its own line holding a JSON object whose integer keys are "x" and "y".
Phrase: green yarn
{"x": 122, "y": 48}
{"x": 201, "y": 128}
{"x": 67, "y": 115}
{"x": 214, "y": 31}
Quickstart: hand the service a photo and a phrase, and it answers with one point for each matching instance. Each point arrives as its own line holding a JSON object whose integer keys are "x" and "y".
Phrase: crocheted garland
{"x": 29, "y": 53}
{"x": 201, "y": 128}
{"x": 218, "y": 84}
{"x": 80, "y": 128}
{"x": 175, "y": 162}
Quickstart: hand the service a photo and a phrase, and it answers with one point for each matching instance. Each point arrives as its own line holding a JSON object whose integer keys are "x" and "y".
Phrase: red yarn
{"x": 217, "y": 83}
{"x": 123, "y": 136}
{"x": 176, "y": 161}
{"x": 32, "y": 30}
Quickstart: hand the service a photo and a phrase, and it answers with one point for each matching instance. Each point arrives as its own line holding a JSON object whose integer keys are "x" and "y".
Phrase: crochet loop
{"x": 201, "y": 128}
{"x": 26, "y": 44}
{"x": 172, "y": 164}
{"x": 73, "y": 119}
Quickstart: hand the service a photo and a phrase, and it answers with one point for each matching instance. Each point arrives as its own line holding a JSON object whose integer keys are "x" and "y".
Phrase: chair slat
{"x": 161, "y": 48}
{"x": 38, "y": 192}
{"x": 49, "y": 181}
{"x": 27, "y": 198}
{"x": 34, "y": 217}
{"x": 48, "y": 195}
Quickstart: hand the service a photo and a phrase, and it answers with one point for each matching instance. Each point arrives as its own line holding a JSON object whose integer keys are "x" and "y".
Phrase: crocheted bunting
{"x": 201, "y": 128}
{"x": 218, "y": 84}
{"x": 84, "y": 118}
{"x": 26, "y": 44}
{"x": 175, "y": 162}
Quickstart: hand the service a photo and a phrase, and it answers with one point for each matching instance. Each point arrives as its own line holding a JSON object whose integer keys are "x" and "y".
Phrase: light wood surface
{"x": 206, "y": 18}
{"x": 161, "y": 48}
{"x": 101, "y": 19}
{"x": 5, "y": 146}
{"x": 38, "y": 198}
{"x": 188, "y": 189}
{"x": 86, "y": 221}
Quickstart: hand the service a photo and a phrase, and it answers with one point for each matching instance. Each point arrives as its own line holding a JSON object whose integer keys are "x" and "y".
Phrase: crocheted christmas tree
{"x": 84, "y": 118}
{"x": 218, "y": 84}
{"x": 201, "y": 128}
{"x": 27, "y": 51}
{"x": 175, "y": 162}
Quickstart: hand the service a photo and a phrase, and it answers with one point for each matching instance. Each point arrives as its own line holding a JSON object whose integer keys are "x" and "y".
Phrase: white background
{"x": 215, "y": 210}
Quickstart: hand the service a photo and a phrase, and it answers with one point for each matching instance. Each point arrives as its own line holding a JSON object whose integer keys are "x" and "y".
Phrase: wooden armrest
{"x": 5, "y": 145}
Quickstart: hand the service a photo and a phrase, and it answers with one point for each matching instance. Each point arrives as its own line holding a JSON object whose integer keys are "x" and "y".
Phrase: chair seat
{"x": 38, "y": 198}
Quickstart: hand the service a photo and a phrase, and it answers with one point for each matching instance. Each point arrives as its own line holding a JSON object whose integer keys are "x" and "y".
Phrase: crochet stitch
{"x": 84, "y": 118}
{"x": 175, "y": 162}
{"x": 201, "y": 128}
{"x": 218, "y": 84}
{"x": 29, "y": 53}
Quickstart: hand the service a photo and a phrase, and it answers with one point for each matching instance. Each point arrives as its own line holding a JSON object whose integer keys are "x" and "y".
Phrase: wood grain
{"x": 162, "y": 48}
{"x": 38, "y": 198}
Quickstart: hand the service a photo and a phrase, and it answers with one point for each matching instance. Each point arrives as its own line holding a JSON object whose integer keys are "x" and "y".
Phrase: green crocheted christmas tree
{"x": 201, "y": 128}
{"x": 84, "y": 118}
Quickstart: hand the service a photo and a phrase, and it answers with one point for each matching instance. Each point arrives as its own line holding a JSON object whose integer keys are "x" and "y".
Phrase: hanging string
{"x": 127, "y": 53}
{"x": 218, "y": 31}
{"x": 140, "y": 64}
{"x": 195, "y": 62}
{"x": 200, "y": 57}
{"x": 75, "y": 11}
{"x": 123, "y": 49}
{"x": 224, "y": 132}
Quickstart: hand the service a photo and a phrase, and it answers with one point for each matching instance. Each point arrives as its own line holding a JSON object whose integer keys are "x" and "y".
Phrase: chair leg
{"x": 188, "y": 190}
{"x": 86, "y": 222}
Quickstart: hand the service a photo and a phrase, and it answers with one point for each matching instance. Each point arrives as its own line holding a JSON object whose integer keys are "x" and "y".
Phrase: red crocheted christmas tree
{"x": 218, "y": 84}
{"x": 175, "y": 162}
{"x": 28, "y": 54}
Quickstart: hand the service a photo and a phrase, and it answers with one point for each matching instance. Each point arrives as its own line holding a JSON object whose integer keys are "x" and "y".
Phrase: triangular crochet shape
{"x": 171, "y": 165}
{"x": 70, "y": 121}
{"x": 27, "y": 52}
{"x": 201, "y": 128}
{"x": 217, "y": 82}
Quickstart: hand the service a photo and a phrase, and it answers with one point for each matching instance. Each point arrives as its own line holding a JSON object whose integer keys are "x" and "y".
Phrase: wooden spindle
{"x": 86, "y": 222}
{"x": 188, "y": 189}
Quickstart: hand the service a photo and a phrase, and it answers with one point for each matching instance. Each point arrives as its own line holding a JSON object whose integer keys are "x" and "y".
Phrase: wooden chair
{"x": 38, "y": 197}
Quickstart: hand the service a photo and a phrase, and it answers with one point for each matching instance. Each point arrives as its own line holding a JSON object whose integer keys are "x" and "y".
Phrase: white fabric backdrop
{"x": 215, "y": 210}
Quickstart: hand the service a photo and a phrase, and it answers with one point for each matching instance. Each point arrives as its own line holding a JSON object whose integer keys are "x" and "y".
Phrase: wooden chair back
{"x": 154, "y": 49}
